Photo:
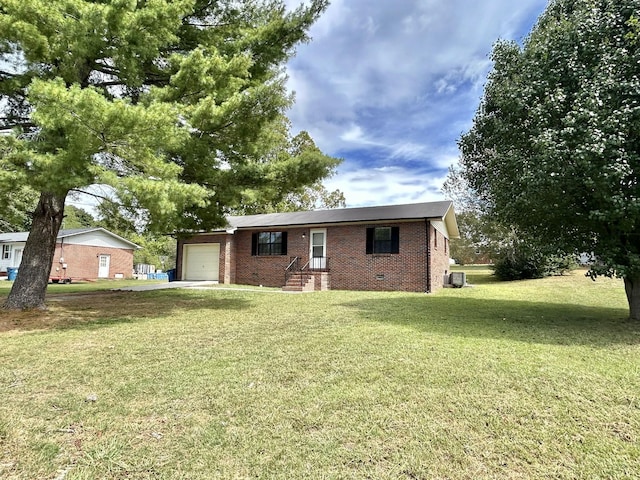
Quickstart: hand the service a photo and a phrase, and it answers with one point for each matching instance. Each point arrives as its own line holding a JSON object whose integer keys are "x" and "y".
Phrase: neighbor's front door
{"x": 17, "y": 257}
{"x": 318, "y": 249}
{"x": 103, "y": 266}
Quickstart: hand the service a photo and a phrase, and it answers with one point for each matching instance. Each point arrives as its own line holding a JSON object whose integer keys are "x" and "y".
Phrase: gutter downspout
{"x": 428, "y": 232}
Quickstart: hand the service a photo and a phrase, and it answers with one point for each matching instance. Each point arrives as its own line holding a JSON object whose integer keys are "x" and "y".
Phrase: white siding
{"x": 440, "y": 226}
{"x": 11, "y": 261}
{"x": 97, "y": 239}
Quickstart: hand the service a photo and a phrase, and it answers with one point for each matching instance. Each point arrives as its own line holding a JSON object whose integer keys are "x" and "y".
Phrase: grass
{"x": 78, "y": 286}
{"x": 531, "y": 379}
{"x": 476, "y": 274}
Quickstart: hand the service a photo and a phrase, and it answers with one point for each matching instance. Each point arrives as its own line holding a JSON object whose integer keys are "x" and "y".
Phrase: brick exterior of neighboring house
{"x": 414, "y": 256}
{"x": 83, "y": 261}
{"x": 88, "y": 253}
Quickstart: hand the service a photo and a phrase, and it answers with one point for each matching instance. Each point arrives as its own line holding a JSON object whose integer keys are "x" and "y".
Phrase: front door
{"x": 103, "y": 266}
{"x": 17, "y": 257}
{"x": 318, "y": 249}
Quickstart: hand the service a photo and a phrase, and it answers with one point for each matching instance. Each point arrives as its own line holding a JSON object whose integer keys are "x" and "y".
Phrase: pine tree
{"x": 167, "y": 103}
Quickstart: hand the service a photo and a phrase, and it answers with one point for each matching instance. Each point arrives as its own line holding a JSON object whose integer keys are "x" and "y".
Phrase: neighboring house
{"x": 396, "y": 247}
{"x": 84, "y": 253}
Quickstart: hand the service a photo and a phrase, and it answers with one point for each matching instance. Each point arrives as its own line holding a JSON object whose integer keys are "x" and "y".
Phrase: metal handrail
{"x": 320, "y": 264}
{"x": 294, "y": 260}
{"x": 291, "y": 269}
{"x": 302, "y": 276}
{"x": 294, "y": 268}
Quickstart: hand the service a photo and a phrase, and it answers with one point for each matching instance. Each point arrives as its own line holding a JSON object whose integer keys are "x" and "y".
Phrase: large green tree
{"x": 484, "y": 238}
{"x": 16, "y": 207}
{"x": 481, "y": 235}
{"x": 168, "y": 103}
{"x": 155, "y": 248}
{"x": 555, "y": 145}
{"x": 76, "y": 217}
{"x": 285, "y": 194}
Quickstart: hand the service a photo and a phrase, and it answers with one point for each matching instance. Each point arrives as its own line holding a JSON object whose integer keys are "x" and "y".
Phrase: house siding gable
{"x": 441, "y": 227}
{"x": 96, "y": 238}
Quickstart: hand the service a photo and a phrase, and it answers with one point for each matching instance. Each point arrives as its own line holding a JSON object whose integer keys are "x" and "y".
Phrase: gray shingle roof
{"x": 17, "y": 237}
{"x": 13, "y": 237}
{"x": 413, "y": 211}
{"x": 22, "y": 236}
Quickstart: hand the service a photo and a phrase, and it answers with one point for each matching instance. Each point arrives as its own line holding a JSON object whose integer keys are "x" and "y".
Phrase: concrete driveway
{"x": 162, "y": 286}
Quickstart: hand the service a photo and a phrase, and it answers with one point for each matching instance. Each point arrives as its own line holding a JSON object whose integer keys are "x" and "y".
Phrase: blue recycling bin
{"x": 171, "y": 274}
{"x": 12, "y": 273}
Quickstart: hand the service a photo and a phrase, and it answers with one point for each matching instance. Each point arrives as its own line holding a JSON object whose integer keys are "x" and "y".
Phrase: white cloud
{"x": 399, "y": 80}
{"x": 390, "y": 185}
{"x": 354, "y": 134}
{"x": 408, "y": 150}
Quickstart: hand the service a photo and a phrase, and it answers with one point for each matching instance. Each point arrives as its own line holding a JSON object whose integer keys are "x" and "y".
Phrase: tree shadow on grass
{"x": 533, "y": 322}
{"x": 103, "y": 308}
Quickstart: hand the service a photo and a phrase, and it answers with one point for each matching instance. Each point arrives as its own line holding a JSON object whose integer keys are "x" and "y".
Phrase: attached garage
{"x": 201, "y": 262}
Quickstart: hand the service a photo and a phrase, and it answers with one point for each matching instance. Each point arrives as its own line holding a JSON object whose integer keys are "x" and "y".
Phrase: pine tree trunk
{"x": 632, "y": 287}
{"x": 30, "y": 286}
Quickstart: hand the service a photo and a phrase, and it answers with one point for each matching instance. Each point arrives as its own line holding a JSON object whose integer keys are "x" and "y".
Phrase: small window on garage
{"x": 6, "y": 252}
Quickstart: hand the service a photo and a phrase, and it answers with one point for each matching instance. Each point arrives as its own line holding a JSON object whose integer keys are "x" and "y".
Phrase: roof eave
{"x": 451, "y": 222}
{"x": 94, "y": 229}
{"x": 231, "y": 230}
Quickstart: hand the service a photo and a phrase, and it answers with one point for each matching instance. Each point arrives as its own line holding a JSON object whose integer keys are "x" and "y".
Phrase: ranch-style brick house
{"x": 83, "y": 253}
{"x": 395, "y": 247}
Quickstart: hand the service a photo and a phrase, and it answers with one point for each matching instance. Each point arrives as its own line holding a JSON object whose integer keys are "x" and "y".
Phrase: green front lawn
{"x": 531, "y": 379}
{"x": 83, "y": 285}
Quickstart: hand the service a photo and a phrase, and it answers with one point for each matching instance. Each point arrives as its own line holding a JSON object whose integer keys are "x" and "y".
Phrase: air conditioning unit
{"x": 458, "y": 279}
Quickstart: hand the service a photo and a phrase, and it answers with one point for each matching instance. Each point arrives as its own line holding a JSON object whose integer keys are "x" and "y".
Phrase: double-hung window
{"x": 269, "y": 243}
{"x": 381, "y": 240}
{"x": 6, "y": 252}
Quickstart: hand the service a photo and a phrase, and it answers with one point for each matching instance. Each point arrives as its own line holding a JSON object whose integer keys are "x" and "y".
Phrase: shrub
{"x": 560, "y": 264}
{"x": 518, "y": 266}
{"x": 522, "y": 262}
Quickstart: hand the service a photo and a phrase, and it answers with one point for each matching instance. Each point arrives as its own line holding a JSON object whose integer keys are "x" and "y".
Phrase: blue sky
{"x": 390, "y": 85}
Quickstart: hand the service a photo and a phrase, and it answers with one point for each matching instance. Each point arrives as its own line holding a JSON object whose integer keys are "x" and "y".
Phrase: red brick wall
{"x": 439, "y": 259}
{"x": 228, "y": 275}
{"x": 82, "y": 261}
{"x": 350, "y": 267}
{"x": 268, "y": 270}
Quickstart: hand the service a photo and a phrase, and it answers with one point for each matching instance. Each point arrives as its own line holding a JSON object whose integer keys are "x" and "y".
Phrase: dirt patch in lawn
{"x": 94, "y": 308}
{"x": 73, "y": 309}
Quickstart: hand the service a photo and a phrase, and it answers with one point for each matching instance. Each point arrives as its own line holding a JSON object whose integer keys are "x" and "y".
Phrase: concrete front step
{"x": 299, "y": 283}
{"x": 292, "y": 289}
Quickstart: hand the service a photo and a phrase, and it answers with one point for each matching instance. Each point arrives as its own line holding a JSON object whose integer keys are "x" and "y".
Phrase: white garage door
{"x": 201, "y": 262}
